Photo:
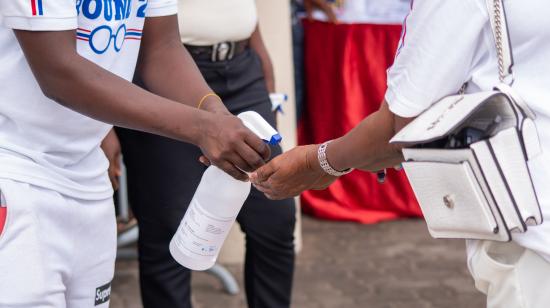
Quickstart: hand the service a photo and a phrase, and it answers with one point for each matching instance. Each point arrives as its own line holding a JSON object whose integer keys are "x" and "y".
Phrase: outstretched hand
{"x": 322, "y": 5}
{"x": 291, "y": 173}
{"x": 229, "y": 145}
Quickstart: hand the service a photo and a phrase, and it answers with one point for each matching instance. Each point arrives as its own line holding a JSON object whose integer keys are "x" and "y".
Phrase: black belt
{"x": 223, "y": 51}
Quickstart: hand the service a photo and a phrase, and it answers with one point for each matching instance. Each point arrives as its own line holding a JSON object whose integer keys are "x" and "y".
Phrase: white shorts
{"x": 510, "y": 275}
{"x": 55, "y": 251}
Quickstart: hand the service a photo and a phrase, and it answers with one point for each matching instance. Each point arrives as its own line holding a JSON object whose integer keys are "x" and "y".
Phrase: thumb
{"x": 263, "y": 173}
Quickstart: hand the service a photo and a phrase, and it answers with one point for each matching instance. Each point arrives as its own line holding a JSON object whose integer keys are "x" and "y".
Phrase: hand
{"x": 323, "y": 5}
{"x": 229, "y": 145}
{"x": 111, "y": 148}
{"x": 291, "y": 173}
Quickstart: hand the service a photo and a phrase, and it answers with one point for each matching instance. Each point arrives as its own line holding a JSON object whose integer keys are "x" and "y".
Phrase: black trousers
{"x": 162, "y": 177}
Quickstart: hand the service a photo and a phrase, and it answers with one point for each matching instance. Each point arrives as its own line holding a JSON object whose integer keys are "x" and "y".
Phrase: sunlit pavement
{"x": 388, "y": 265}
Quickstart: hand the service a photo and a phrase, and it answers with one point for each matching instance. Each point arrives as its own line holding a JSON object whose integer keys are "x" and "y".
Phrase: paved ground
{"x": 388, "y": 265}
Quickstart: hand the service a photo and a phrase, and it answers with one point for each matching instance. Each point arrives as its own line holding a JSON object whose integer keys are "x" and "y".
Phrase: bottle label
{"x": 201, "y": 234}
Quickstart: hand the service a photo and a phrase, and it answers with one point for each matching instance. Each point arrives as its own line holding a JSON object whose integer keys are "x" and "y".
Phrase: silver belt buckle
{"x": 223, "y": 51}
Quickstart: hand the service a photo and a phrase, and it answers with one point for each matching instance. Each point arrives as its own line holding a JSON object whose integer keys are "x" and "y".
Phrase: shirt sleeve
{"x": 439, "y": 46}
{"x": 156, "y": 8}
{"x": 39, "y": 15}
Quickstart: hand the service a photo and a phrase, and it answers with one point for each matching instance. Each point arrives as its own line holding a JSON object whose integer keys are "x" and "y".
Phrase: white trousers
{"x": 55, "y": 251}
{"x": 511, "y": 276}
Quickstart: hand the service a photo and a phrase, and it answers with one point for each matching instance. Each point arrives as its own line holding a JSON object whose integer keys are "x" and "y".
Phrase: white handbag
{"x": 467, "y": 156}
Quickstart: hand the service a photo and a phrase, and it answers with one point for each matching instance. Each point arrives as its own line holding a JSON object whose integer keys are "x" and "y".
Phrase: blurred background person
{"x": 225, "y": 41}
{"x": 301, "y": 9}
{"x": 345, "y": 65}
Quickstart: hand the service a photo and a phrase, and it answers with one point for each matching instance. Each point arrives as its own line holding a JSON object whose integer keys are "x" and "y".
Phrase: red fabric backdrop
{"x": 3, "y": 213}
{"x": 345, "y": 81}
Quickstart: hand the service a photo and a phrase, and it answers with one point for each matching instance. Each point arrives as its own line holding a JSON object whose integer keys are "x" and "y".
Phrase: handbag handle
{"x": 499, "y": 27}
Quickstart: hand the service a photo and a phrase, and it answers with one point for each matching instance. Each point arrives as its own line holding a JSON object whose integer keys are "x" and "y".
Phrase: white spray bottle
{"x": 214, "y": 207}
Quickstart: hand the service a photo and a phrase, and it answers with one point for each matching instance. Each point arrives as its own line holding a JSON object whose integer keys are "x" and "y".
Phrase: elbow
{"x": 49, "y": 91}
{"x": 57, "y": 80}
{"x": 53, "y": 93}
{"x": 53, "y": 65}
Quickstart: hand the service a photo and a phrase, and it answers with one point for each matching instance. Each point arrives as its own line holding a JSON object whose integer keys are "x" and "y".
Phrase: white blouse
{"x": 208, "y": 22}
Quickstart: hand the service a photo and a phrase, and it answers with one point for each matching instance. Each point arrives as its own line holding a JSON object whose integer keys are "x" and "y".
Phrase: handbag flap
{"x": 451, "y": 112}
{"x": 452, "y": 202}
{"x": 485, "y": 171}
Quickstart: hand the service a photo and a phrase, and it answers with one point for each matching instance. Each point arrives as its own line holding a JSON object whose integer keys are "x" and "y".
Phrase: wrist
{"x": 212, "y": 103}
{"x": 312, "y": 161}
{"x": 202, "y": 122}
{"x": 334, "y": 158}
{"x": 326, "y": 165}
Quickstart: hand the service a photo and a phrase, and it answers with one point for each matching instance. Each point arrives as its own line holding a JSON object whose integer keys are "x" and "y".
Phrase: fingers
{"x": 268, "y": 192}
{"x": 264, "y": 187}
{"x": 113, "y": 176}
{"x": 115, "y": 183}
{"x": 277, "y": 192}
{"x": 259, "y": 146}
{"x": 205, "y": 161}
{"x": 240, "y": 163}
{"x": 329, "y": 12}
{"x": 260, "y": 179}
{"x": 289, "y": 174}
{"x": 228, "y": 144}
{"x": 230, "y": 169}
{"x": 253, "y": 159}
{"x": 252, "y": 151}
{"x": 115, "y": 170}
{"x": 262, "y": 174}
{"x": 325, "y": 7}
{"x": 249, "y": 153}
{"x": 331, "y": 16}
{"x": 117, "y": 164}
{"x": 270, "y": 180}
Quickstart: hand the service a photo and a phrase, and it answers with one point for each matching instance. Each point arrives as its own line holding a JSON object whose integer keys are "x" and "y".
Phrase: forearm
{"x": 167, "y": 69}
{"x": 87, "y": 88}
{"x": 106, "y": 97}
{"x": 257, "y": 44}
{"x": 367, "y": 146}
{"x": 109, "y": 98}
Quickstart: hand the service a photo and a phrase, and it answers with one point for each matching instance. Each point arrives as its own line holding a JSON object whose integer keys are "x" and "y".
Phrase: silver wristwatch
{"x": 322, "y": 156}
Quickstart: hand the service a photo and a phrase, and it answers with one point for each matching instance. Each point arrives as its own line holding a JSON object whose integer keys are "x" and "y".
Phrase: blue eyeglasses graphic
{"x": 101, "y": 37}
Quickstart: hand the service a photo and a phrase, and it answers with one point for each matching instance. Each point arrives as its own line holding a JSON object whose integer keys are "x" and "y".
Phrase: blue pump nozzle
{"x": 259, "y": 126}
{"x": 277, "y": 100}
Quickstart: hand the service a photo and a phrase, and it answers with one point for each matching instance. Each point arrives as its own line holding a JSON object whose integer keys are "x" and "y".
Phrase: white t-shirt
{"x": 42, "y": 142}
{"x": 211, "y": 22}
{"x": 446, "y": 43}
